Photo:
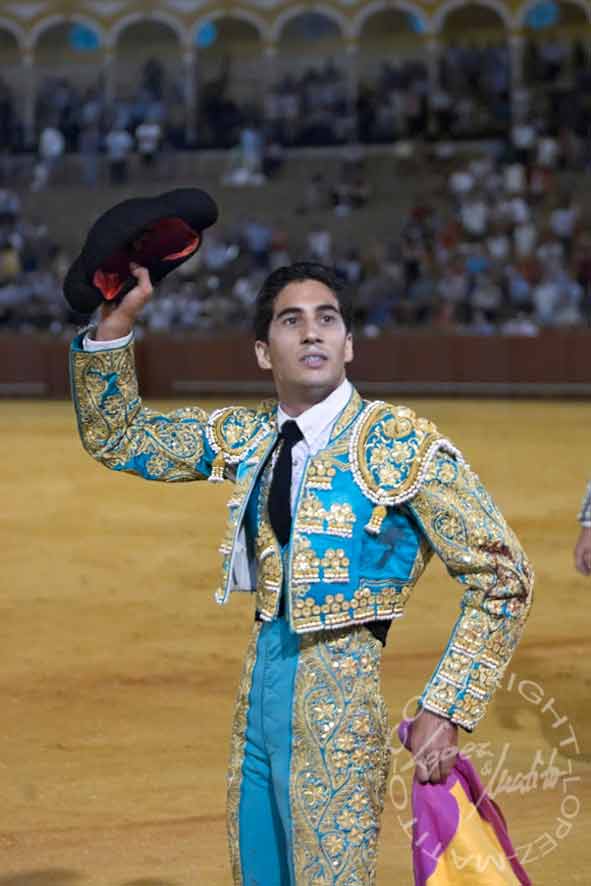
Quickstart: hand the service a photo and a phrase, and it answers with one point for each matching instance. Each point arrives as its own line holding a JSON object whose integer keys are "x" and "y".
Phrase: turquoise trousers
{"x": 309, "y": 759}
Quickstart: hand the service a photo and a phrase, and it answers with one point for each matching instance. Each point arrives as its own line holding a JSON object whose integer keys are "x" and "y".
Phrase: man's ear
{"x": 261, "y": 349}
{"x": 348, "y": 348}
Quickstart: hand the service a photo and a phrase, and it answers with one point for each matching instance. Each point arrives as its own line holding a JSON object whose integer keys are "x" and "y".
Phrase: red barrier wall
{"x": 553, "y": 363}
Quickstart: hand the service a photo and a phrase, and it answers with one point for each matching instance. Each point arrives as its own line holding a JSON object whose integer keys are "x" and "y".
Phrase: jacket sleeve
{"x": 464, "y": 527}
{"x": 585, "y": 512}
{"x": 121, "y": 433}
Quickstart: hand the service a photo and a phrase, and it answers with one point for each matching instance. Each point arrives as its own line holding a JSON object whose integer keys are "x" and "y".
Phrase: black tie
{"x": 280, "y": 492}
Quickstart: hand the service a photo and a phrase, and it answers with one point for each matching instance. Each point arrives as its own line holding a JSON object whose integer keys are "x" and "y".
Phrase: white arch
{"x": 59, "y": 19}
{"x": 17, "y": 32}
{"x": 496, "y": 5}
{"x": 523, "y": 10}
{"x": 294, "y": 11}
{"x": 384, "y": 5}
{"x": 241, "y": 14}
{"x": 178, "y": 28}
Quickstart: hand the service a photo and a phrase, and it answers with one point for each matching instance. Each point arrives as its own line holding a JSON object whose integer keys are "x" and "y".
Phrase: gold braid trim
{"x": 238, "y": 740}
{"x": 390, "y": 452}
{"x": 340, "y": 758}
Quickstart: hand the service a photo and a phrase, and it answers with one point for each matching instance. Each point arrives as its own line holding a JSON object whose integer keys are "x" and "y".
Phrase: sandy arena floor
{"x": 119, "y": 671}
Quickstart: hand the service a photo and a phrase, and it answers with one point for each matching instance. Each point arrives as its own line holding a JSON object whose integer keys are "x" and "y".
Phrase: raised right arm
{"x": 122, "y": 434}
{"x": 114, "y": 426}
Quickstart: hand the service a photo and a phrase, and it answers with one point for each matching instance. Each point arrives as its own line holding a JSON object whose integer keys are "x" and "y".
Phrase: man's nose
{"x": 311, "y": 331}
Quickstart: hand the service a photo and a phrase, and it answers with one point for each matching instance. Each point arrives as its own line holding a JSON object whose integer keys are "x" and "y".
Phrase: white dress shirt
{"x": 90, "y": 344}
{"x": 316, "y": 424}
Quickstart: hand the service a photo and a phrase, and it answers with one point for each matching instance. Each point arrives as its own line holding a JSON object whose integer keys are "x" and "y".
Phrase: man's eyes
{"x": 325, "y": 319}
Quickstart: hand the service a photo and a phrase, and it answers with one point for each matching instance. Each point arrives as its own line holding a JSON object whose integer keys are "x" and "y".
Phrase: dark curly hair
{"x": 298, "y": 273}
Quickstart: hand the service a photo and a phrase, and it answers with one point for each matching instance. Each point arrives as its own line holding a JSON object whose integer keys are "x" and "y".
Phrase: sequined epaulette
{"x": 390, "y": 453}
{"x": 235, "y": 430}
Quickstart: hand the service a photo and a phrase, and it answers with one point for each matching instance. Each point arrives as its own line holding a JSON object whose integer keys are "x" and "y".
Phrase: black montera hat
{"x": 159, "y": 233}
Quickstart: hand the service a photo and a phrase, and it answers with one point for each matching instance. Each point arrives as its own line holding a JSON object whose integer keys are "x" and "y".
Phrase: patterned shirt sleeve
{"x": 585, "y": 513}
{"x": 120, "y": 432}
{"x": 467, "y": 531}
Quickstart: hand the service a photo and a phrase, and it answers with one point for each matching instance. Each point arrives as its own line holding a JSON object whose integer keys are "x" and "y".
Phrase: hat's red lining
{"x": 167, "y": 240}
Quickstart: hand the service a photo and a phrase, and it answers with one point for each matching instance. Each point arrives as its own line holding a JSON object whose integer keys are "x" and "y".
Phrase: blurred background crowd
{"x": 446, "y": 179}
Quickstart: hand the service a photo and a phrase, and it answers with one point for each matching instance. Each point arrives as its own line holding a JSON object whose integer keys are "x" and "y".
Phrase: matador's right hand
{"x": 117, "y": 319}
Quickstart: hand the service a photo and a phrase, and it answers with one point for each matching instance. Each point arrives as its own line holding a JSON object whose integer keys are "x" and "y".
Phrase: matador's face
{"x": 308, "y": 344}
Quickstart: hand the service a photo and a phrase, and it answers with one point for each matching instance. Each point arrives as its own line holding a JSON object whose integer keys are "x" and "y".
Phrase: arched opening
{"x": 556, "y": 63}
{"x": 67, "y": 60}
{"x": 475, "y": 70}
{"x": 393, "y": 73}
{"x": 10, "y": 54}
{"x": 310, "y": 99}
{"x": 148, "y": 77}
{"x": 147, "y": 62}
{"x": 557, "y": 42}
{"x": 229, "y": 65}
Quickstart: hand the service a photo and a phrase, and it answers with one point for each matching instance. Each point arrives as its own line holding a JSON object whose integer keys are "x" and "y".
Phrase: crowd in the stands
{"x": 501, "y": 246}
{"x": 317, "y": 107}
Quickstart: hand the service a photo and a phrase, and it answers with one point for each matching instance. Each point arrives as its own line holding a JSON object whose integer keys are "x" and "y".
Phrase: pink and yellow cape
{"x": 460, "y": 836}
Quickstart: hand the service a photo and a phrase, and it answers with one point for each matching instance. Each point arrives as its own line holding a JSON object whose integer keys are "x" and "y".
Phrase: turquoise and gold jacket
{"x": 373, "y": 506}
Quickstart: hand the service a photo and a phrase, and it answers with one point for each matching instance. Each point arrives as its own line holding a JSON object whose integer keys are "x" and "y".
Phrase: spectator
{"x": 51, "y": 151}
{"x": 563, "y": 222}
{"x": 119, "y": 144}
{"x": 148, "y": 136}
{"x": 89, "y": 146}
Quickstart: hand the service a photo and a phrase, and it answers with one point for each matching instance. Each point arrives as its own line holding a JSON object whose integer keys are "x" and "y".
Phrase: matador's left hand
{"x": 434, "y": 745}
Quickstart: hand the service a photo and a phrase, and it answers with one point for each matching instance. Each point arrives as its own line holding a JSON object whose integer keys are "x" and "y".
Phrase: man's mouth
{"x": 314, "y": 360}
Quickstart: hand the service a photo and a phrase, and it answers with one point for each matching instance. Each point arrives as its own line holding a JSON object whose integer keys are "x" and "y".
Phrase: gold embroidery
{"x": 465, "y": 528}
{"x": 124, "y": 435}
{"x": 237, "y": 744}
{"x": 378, "y": 515}
{"x": 268, "y": 554}
{"x": 320, "y": 474}
{"x": 348, "y": 414}
{"x": 340, "y": 758}
{"x": 271, "y": 572}
{"x": 390, "y": 452}
{"x": 367, "y": 604}
{"x": 335, "y": 566}
{"x": 306, "y": 565}
{"x": 234, "y": 430}
{"x": 311, "y": 514}
{"x": 217, "y": 469}
{"x": 240, "y": 491}
{"x": 340, "y": 520}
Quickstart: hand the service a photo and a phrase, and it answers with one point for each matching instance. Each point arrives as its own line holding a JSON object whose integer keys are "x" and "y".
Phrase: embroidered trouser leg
{"x": 309, "y": 759}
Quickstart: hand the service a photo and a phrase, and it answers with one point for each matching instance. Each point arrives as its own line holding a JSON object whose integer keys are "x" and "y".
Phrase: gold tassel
{"x": 217, "y": 469}
{"x": 377, "y": 518}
